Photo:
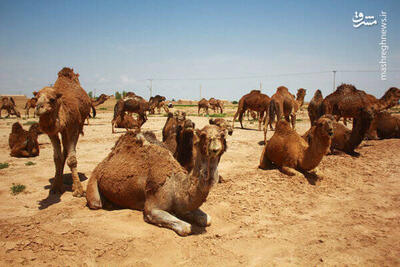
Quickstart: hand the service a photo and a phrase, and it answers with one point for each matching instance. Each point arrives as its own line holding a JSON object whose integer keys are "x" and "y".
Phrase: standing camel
{"x": 155, "y": 182}
{"x": 315, "y": 106}
{"x": 30, "y": 103}
{"x": 158, "y": 102}
{"x": 62, "y": 109}
{"x": 256, "y": 101}
{"x": 203, "y": 104}
{"x": 9, "y": 105}
{"x": 216, "y": 104}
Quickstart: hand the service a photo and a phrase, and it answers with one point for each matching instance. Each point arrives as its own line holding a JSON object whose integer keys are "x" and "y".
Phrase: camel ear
{"x": 34, "y": 93}
{"x": 58, "y": 95}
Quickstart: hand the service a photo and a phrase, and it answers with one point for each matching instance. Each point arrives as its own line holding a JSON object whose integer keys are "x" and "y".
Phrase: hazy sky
{"x": 117, "y": 45}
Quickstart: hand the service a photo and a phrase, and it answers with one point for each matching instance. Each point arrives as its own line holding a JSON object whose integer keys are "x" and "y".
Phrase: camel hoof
{"x": 78, "y": 193}
{"x": 184, "y": 230}
{"x": 57, "y": 189}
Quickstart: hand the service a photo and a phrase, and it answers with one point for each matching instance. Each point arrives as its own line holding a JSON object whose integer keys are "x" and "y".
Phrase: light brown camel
{"x": 283, "y": 103}
{"x": 8, "y": 104}
{"x": 30, "y": 103}
{"x": 216, "y": 104}
{"x": 223, "y": 124}
{"x": 63, "y": 109}
{"x": 386, "y": 125}
{"x": 24, "y": 143}
{"x": 344, "y": 139}
{"x": 127, "y": 122}
{"x": 156, "y": 183}
{"x": 288, "y": 151}
{"x": 203, "y": 104}
{"x": 255, "y": 101}
{"x": 315, "y": 107}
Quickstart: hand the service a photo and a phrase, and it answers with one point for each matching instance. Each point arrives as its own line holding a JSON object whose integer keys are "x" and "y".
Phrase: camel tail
{"x": 272, "y": 111}
{"x": 93, "y": 195}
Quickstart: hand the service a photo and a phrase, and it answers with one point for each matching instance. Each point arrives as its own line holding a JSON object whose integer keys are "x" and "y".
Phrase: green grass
{"x": 17, "y": 188}
{"x": 4, "y": 165}
{"x": 30, "y": 163}
{"x": 299, "y": 119}
{"x": 103, "y": 108}
{"x": 29, "y": 122}
{"x": 218, "y": 115}
{"x": 177, "y": 105}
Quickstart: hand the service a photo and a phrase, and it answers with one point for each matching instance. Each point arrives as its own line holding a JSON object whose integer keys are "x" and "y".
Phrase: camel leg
{"x": 265, "y": 163}
{"x": 165, "y": 219}
{"x": 198, "y": 111}
{"x": 198, "y": 217}
{"x": 57, "y": 186}
{"x": 317, "y": 172}
{"x": 234, "y": 118}
{"x": 19, "y": 151}
{"x": 291, "y": 172}
{"x": 69, "y": 143}
{"x": 293, "y": 119}
{"x": 260, "y": 118}
{"x": 241, "y": 119}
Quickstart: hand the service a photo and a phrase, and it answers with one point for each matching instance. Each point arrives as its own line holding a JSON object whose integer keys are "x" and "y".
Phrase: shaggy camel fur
{"x": 386, "y": 125}
{"x": 216, "y": 104}
{"x": 203, "y": 104}
{"x": 157, "y": 102}
{"x": 288, "y": 151}
{"x": 24, "y": 143}
{"x": 223, "y": 124}
{"x": 344, "y": 139}
{"x": 315, "y": 107}
{"x": 135, "y": 104}
{"x": 140, "y": 174}
{"x": 255, "y": 101}
{"x": 63, "y": 109}
{"x": 8, "y": 104}
{"x": 30, "y": 103}
{"x": 128, "y": 122}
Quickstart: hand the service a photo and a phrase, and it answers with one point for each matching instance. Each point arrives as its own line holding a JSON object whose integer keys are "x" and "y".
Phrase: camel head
{"x": 17, "y": 128}
{"x": 392, "y": 96}
{"x": 223, "y": 124}
{"x": 211, "y": 141}
{"x": 47, "y": 101}
{"x": 35, "y": 129}
{"x": 324, "y": 125}
{"x": 318, "y": 94}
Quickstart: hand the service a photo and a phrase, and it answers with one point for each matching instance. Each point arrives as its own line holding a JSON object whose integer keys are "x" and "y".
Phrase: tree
{"x": 90, "y": 94}
{"x": 118, "y": 95}
{"x": 123, "y": 93}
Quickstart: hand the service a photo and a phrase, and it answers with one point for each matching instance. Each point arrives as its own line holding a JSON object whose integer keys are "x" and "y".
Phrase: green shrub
{"x": 30, "y": 163}
{"x": 17, "y": 188}
{"x": 234, "y": 102}
{"x": 218, "y": 115}
{"x": 29, "y": 122}
{"x": 4, "y": 165}
{"x": 102, "y": 108}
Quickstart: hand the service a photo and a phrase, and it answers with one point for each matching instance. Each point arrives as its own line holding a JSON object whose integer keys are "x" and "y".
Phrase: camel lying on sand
{"x": 216, "y": 104}
{"x": 255, "y": 101}
{"x": 30, "y": 103}
{"x": 155, "y": 182}
{"x": 315, "y": 107}
{"x": 288, "y": 151}
{"x": 344, "y": 139}
{"x": 203, "y": 104}
{"x": 126, "y": 121}
{"x": 24, "y": 143}
{"x": 223, "y": 124}
{"x": 158, "y": 102}
{"x": 62, "y": 109}
{"x": 386, "y": 125}
{"x": 8, "y": 104}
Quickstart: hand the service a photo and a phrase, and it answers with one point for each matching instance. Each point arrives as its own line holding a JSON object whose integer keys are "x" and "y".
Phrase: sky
{"x": 226, "y": 48}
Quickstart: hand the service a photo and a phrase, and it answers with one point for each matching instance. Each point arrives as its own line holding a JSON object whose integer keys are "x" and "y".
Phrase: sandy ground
{"x": 351, "y": 217}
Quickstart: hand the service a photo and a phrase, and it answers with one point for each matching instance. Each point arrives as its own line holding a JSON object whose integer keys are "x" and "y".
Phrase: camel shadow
{"x": 312, "y": 178}
{"x": 52, "y": 199}
{"x": 248, "y": 129}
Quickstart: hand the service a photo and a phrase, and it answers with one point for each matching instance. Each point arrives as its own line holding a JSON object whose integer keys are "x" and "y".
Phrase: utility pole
{"x": 200, "y": 91}
{"x": 334, "y": 79}
{"x": 151, "y": 87}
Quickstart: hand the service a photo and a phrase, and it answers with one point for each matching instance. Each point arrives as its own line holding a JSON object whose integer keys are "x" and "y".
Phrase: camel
{"x": 126, "y": 121}
{"x": 385, "y": 125}
{"x": 155, "y": 182}
{"x": 291, "y": 153}
{"x": 223, "y": 124}
{"x": 283, "y": 103}
{"x": 157, "y": 102}
{"x": 255, "y": 101}
{"x": 344, "y": 139}
{"x": 315, "y": 107}
{"x": 203, "y": 104}
{"x": 135, "y": 104}
{"x": 62, "y": 109}
{"x": 30, "y": 103}
{"x": 216, "y": 104}
{"x": 253, "y": 115}
{"x": 100, "y": 100}
{"x": 24, "y": 143}
{"x": 9, "y": 105}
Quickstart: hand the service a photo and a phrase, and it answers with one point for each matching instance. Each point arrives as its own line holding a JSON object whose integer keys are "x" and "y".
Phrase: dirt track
{"x": 259, "y": 217}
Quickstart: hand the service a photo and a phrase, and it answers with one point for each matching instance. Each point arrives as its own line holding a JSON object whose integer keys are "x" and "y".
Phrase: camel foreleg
{"x": 291, "y": 172}
{"x": 167, "y": 220}
{"x": 198, "y": 217}
{"x": 265, "y": 163}
{"x": 57, "y": 186}
{"x": 69, "y": 144}
{"x": 293, "y": 120}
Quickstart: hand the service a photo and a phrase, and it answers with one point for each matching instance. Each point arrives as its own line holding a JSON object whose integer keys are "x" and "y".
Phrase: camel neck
{"x": 315, "y": 151}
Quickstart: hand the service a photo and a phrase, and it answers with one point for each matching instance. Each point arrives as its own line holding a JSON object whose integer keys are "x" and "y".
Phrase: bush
{"x": 17, "y": 188}
{"x": 90, "y": 94}
{"x": 102, "y": 108}
{"x": 234, "y": 102}
{"x": 117, "y": 95}
{"x": 218, "y": 115}
{"x": 4, "y": 165}
{"x": 30, "y": 163}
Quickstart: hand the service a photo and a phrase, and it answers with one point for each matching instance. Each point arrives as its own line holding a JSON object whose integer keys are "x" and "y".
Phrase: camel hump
{"x": 282, "y": 89}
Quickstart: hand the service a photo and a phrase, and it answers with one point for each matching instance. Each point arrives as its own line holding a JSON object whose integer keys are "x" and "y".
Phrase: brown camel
{"x": 216, "y": 104}
{"x": 24, "y": 143}
{"x": 315, "y": 107}
{"x": 253, "y": 115}
{"x": 255, "y": 101}
{"x": 135, "y": 104}
{"x": 30, "y": 103}
{"x": 386, "y": 125}
{"x": 157, "y": 102}
{"x": 344, "y": 139}
{"x": 156, "y": 183}
{"x": 223, "y": 124}
{"x": 203, "y": 104}
{"x": 127, "y": 121}
{"x": 63, "y": 109}
{"x": 283, "y": 103}
{"x": 8, "y": 104}
{"x": 288, "y": 151}
{"x": 100, "y": 100}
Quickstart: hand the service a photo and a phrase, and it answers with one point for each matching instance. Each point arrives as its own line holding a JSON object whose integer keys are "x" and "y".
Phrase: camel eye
{"x": 52, "y": 100}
